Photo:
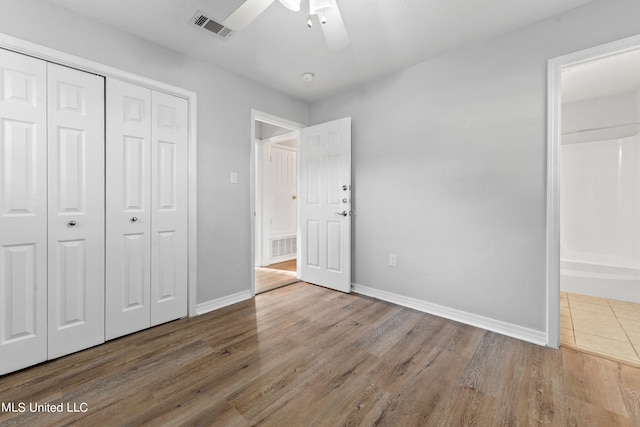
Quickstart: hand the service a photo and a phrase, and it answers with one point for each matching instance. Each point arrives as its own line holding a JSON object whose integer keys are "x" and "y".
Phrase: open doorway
{"x": 594, "y": 196}
{"x": 275, "y": 195}
{"x": 324, "y": 215}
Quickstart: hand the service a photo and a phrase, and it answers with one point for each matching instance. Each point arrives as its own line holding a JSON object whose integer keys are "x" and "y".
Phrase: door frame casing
{"x": 554, "y": 120}
{"x": 58, "y": 57}
{"x": 259, "y": 116}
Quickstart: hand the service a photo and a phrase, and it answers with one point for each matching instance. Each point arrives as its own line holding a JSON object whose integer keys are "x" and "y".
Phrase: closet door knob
{"x": 134, "y": 219}
{"x": 72, "y": 223}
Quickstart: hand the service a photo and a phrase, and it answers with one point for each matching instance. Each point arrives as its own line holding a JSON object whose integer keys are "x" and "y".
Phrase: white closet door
{"x": 76, "y": 210}
{"x": 169, "y": 168}
{"x": 128, "y": 158}
{"x": 23, "y": 211}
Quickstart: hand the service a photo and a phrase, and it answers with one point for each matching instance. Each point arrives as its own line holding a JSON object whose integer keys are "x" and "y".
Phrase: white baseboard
{"x": 504, "y": 328}
{"x": 216, "y": 304}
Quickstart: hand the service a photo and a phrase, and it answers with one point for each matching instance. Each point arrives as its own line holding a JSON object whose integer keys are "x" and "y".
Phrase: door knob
{"x": 72, "y": 223}
{"x": 343, "y": 213}
{"x": 134, "y": 219}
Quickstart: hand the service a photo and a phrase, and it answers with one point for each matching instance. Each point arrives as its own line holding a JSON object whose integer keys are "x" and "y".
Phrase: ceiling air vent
{"x": 212, "y": 27}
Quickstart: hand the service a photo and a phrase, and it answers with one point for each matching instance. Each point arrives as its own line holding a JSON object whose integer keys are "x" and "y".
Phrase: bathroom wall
{"x": 600, "y": 173}
{"x": 605, "y": 111}
{"x": 600, "y": 197}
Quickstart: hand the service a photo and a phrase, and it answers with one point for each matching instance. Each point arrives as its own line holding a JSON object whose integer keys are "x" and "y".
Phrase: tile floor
{"x": 601, "y": 326}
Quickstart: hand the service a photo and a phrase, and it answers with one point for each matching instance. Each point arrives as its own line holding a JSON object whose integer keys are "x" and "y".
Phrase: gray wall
{"x": 449, "y": 162}
{"x": 224, "y": 126}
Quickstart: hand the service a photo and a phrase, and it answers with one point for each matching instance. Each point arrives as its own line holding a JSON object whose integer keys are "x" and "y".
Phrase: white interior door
{"x": 325, "y": 205}
{"x": 281, "y": 200}
{"x": 169, "y": 135}
{"x": 128, "y": 158}
{"x": 76, "y": 209}
{"x": 23, "y": 211}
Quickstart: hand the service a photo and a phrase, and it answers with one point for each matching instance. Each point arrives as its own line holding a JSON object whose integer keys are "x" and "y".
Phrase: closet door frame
{"x": 52, "y": 55}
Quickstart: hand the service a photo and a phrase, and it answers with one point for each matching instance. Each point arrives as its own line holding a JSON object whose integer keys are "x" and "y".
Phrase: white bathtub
{"x": 600, "y": 280}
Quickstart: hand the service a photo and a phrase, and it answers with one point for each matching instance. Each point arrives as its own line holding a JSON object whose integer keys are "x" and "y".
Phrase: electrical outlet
{"x": 234, "y": 177}
{"x": 393, "y": 260}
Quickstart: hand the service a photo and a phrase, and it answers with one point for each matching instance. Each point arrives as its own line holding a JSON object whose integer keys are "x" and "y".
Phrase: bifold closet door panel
{"x": 23, "y": 211}
{"x": 128, "y": 158}
{"x": 169, "y": 171}
{"x": 76, "y": 210}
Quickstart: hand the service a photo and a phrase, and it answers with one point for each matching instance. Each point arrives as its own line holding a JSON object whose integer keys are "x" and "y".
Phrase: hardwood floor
{"x": 306, "y": 355}
{"x": 275, "y": 276}
{"x": 290, "y": 265}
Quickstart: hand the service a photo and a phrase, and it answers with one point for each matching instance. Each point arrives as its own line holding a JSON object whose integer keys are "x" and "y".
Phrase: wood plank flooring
{"x": 305, "y": 355}
{"x": 290, "y": 265}
{"x": 275, "y": 276}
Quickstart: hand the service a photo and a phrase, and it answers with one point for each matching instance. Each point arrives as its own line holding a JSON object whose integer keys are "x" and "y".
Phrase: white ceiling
{"x": 610, "y": 75}
{"x": 277, "y": 48}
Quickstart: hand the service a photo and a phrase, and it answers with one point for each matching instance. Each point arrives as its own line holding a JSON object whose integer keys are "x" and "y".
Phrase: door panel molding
{"x": 169, "y": 216}
{"x": 128, "y": 223}
{"x": 76, "y": 210}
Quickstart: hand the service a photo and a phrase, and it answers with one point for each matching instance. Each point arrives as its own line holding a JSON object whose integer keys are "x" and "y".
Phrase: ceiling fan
{"x": 326, "y": 11}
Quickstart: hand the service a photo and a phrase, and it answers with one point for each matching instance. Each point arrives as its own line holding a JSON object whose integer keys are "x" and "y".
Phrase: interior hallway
{"x": 600, "y": 326}
{"x": 275, "y": 276}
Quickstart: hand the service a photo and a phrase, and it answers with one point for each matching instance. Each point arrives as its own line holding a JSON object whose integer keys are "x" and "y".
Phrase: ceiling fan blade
{"x": 245, "y": 14}
{"x": 334, "y": 30}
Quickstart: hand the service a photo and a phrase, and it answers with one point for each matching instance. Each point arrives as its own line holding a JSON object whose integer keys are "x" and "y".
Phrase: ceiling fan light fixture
{"x": 293, "y": 5}
{"x": 308, "y": 77}
{"x": 316, "y": 6}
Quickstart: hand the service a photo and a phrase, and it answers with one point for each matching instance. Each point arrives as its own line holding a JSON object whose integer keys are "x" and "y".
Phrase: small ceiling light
{"x": 307, "y": 77}
{"x": 309, "y": 22}
{"x": 291, "y": 4}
